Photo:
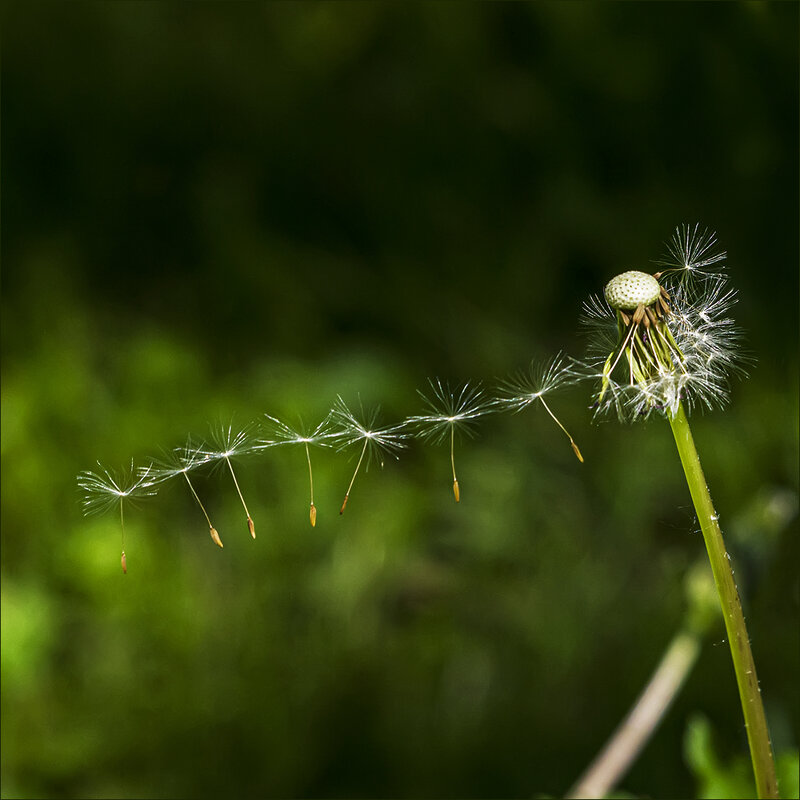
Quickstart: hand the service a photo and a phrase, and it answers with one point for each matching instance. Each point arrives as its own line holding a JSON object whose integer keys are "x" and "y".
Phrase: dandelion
{"x": 377, "y": 441}
{"x": 668, "y": 345}
{"x": 103, "y": 492}
{"x": 181, "y": 461}
{"x": 230, "y": 444}
{"x": 527, "y": 388}
{"x": 447, "y": 411}
{"x": 280, "y": 433}
{"x": 665, "y": 338}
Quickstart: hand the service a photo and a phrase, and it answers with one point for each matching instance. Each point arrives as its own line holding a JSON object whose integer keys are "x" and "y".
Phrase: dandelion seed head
{"x": 227, "y": 443}
{"x": 448, "y": 410}
{"x": 277, "y": 432}
{"x": 179, "y": 461}
{"x": 539, "y": 380}
{"x": 691, "y": 255}
{"x": 106, "y": 489}
{"x": 683, "y": 349}
{"x": 347, "y": 429}
{"x": 631, "y": 289}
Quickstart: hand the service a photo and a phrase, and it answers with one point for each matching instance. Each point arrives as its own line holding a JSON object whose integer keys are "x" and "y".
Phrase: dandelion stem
{"x": 352, "y": 480}
{"x": 571, "y": 440}
{"x": 743, "y": 664}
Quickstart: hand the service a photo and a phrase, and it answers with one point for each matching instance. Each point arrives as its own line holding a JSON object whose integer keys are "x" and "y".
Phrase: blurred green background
{"x": 211, "y": 211}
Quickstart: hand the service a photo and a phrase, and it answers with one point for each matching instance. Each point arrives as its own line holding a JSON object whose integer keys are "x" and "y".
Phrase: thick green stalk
{"x": 749, "y": 692}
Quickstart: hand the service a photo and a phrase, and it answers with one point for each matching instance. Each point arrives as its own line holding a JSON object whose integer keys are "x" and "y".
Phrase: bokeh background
{"x": 212, "y": 211}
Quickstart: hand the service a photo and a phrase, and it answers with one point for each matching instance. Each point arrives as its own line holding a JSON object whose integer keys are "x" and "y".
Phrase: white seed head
{"x": 631, "y": 289}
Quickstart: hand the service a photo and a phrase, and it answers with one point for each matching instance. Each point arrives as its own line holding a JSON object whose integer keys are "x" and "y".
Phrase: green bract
{"x": 631, "y": 289}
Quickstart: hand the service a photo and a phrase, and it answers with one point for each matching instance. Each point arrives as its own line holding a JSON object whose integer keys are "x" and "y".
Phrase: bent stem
{"x": 613, "y": 761}
{"x": 743, "y": 664}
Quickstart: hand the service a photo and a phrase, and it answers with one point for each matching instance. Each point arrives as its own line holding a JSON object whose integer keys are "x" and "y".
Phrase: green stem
{"x": 749, "y": 691}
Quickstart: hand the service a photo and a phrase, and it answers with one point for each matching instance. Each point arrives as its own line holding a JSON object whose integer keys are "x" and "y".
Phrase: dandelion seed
{"x": 377, "y": 441}
{"x": 181, "y": 461}
{"x": 691, "y": 255}
{"x": 103, "y": 492}
{"x": 531, "y": 387}
{"x": 448, "y": 411}
{"x": 230, "y": 444}
{"x": 280, "y": 433}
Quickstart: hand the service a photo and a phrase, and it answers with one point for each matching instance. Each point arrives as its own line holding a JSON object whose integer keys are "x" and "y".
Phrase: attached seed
{"x": 215, "y": 536}
{"x": 631, "y": 289}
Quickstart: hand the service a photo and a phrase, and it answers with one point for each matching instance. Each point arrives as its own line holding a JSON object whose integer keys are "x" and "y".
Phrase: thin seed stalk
{"x": 238, "y": 490}
{"x": 312, "y": 513}
{"x": 456, "y": 489}
{"x": 123, "y": 560}
{"x": 122, "y": 523}
{"x": 202, "y": 507}
{"x": 743, "y": 664}
{"x": 250, "y": 525}
{"x": 353, "y": 479}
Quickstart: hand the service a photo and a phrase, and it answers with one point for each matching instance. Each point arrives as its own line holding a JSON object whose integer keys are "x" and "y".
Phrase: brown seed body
{"x": 215, "y": 536}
